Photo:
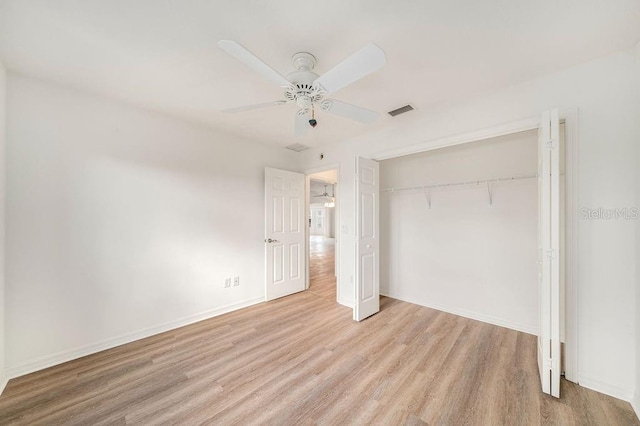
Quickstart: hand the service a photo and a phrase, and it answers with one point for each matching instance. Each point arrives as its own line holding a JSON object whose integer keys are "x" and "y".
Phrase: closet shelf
{"x": 459, "y": 184}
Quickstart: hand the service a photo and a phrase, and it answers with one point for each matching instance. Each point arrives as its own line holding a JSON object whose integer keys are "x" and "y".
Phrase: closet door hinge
{"x": 551, "y": 144}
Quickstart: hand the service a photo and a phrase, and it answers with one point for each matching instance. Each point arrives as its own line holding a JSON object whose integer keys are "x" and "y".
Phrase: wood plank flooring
{"x": 302, "y": 360}
{"x": 322, "y": 280}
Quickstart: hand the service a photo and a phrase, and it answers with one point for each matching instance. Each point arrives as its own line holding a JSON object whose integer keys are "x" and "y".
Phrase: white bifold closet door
{"x": 367, "y": 288}
{"x": 549, "y": 252}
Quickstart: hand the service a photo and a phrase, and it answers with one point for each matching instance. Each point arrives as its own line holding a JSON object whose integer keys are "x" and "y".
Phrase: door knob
{"x": 269, "y": 240}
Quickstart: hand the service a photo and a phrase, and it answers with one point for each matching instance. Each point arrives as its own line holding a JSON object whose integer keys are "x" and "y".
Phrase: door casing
{"x": 570, "y": 118}
{"x": 336, "y": 223}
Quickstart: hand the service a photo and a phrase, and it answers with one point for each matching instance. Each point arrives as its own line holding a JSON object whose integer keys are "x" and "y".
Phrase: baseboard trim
{"x": 69, "y": 355}
{"x": 583, "y": 380}
{"x": 345, "y": 303}
{"x": 635, "y": 402}
{"x": 3, "y": 382}
{"x": 605, "y": 388}
{"x": 471, "y": 315}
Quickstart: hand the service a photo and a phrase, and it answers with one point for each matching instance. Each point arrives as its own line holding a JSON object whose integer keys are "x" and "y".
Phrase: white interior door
{"x": 367, "y": 294}
{"x": 284, "y": 233}
{"x": 549, "y": 252}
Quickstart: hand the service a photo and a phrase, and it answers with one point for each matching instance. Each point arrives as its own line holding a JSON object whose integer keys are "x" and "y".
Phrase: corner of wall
{"x": 635, "y": 403}
{"x": 3, "y": 381}
{"x": 3, "y": 142}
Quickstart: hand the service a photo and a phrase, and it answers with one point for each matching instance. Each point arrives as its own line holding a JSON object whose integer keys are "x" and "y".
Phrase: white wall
{"x": 464, "y": 255}
{"x": 609, "y": 131}
{"x": 3, "y": 133}
{"x": 636, "y": 400}
{"x": 331, "y": 220}
{"x": 122, "y": 222}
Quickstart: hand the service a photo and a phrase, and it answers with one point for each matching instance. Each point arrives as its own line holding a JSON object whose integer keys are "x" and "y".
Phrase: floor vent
{"x": 401, "y": 110}
{"x": 298, "y": 147}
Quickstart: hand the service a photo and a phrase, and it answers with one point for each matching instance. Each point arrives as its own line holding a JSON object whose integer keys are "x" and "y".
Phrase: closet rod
{"x": 448, "y": 185}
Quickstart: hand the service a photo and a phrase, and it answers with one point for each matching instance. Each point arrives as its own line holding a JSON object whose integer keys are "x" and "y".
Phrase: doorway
{"x": 322, "y": 221}
{"x": 484, "y": 207}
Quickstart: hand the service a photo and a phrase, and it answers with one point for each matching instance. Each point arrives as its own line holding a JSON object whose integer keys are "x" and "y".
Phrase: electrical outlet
{"x": 227, "y": 282}
{"x": 236, "y": 281}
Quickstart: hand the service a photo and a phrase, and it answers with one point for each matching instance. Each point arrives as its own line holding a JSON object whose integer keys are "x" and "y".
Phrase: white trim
{"x": 471, "y": 315}
{"x": 572, "y": 208}
{"x": 635, "y": 403}
{"x": 319, "y": 169}
{"x": 570, "y": 117}
{"x": 346, "y": 303}
{"x": 307, "y": 233}
{"x": 477, "y": 135}
{"x": 3, "y": 382}
{"x": 336, "y": 222}
{"x": 605, "y": 388}
{"x": 69, "y": 355}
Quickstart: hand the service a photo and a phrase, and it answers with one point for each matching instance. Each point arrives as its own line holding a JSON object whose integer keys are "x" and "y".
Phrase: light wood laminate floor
{"x": 322, "y": 280}
{"x": 302, "y": 360}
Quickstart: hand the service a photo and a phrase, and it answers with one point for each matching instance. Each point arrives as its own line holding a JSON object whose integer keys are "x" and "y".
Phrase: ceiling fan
{"x": 325, "y": 194}
{"x": 306, "y": 89}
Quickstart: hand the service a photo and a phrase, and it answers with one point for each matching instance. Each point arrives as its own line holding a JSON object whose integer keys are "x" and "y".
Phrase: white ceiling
{"x": 328, "y": 176}
{"x": 163, "y": 54}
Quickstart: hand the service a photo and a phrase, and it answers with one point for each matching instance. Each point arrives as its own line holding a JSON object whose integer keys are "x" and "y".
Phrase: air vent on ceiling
{"x": 401, "y": 110}
{"x": 298, "y": 147}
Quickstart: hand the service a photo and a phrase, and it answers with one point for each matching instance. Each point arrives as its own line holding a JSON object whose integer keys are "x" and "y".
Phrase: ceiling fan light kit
{"x": 307, "y": 90}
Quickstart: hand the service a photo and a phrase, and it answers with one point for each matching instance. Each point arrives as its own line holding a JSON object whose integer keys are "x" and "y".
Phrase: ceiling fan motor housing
{"x": 302, "y": 90}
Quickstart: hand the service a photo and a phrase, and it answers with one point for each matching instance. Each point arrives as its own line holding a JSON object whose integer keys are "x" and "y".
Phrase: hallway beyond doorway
{"x": 322, "y": 279}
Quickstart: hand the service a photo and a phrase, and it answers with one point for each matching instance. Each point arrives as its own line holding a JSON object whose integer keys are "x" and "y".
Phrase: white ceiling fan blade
{"x": 252, "y": 61}
{"x": 365, "y": 61}
{"x": 301, "y": 125}
{"x": 346, "y": 110}
{"x": 254, "y": 106}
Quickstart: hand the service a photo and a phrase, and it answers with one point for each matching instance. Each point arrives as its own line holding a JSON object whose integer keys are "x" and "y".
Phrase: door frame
{"x": 570, "y": 118}
{"x": 336, "y": 223}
